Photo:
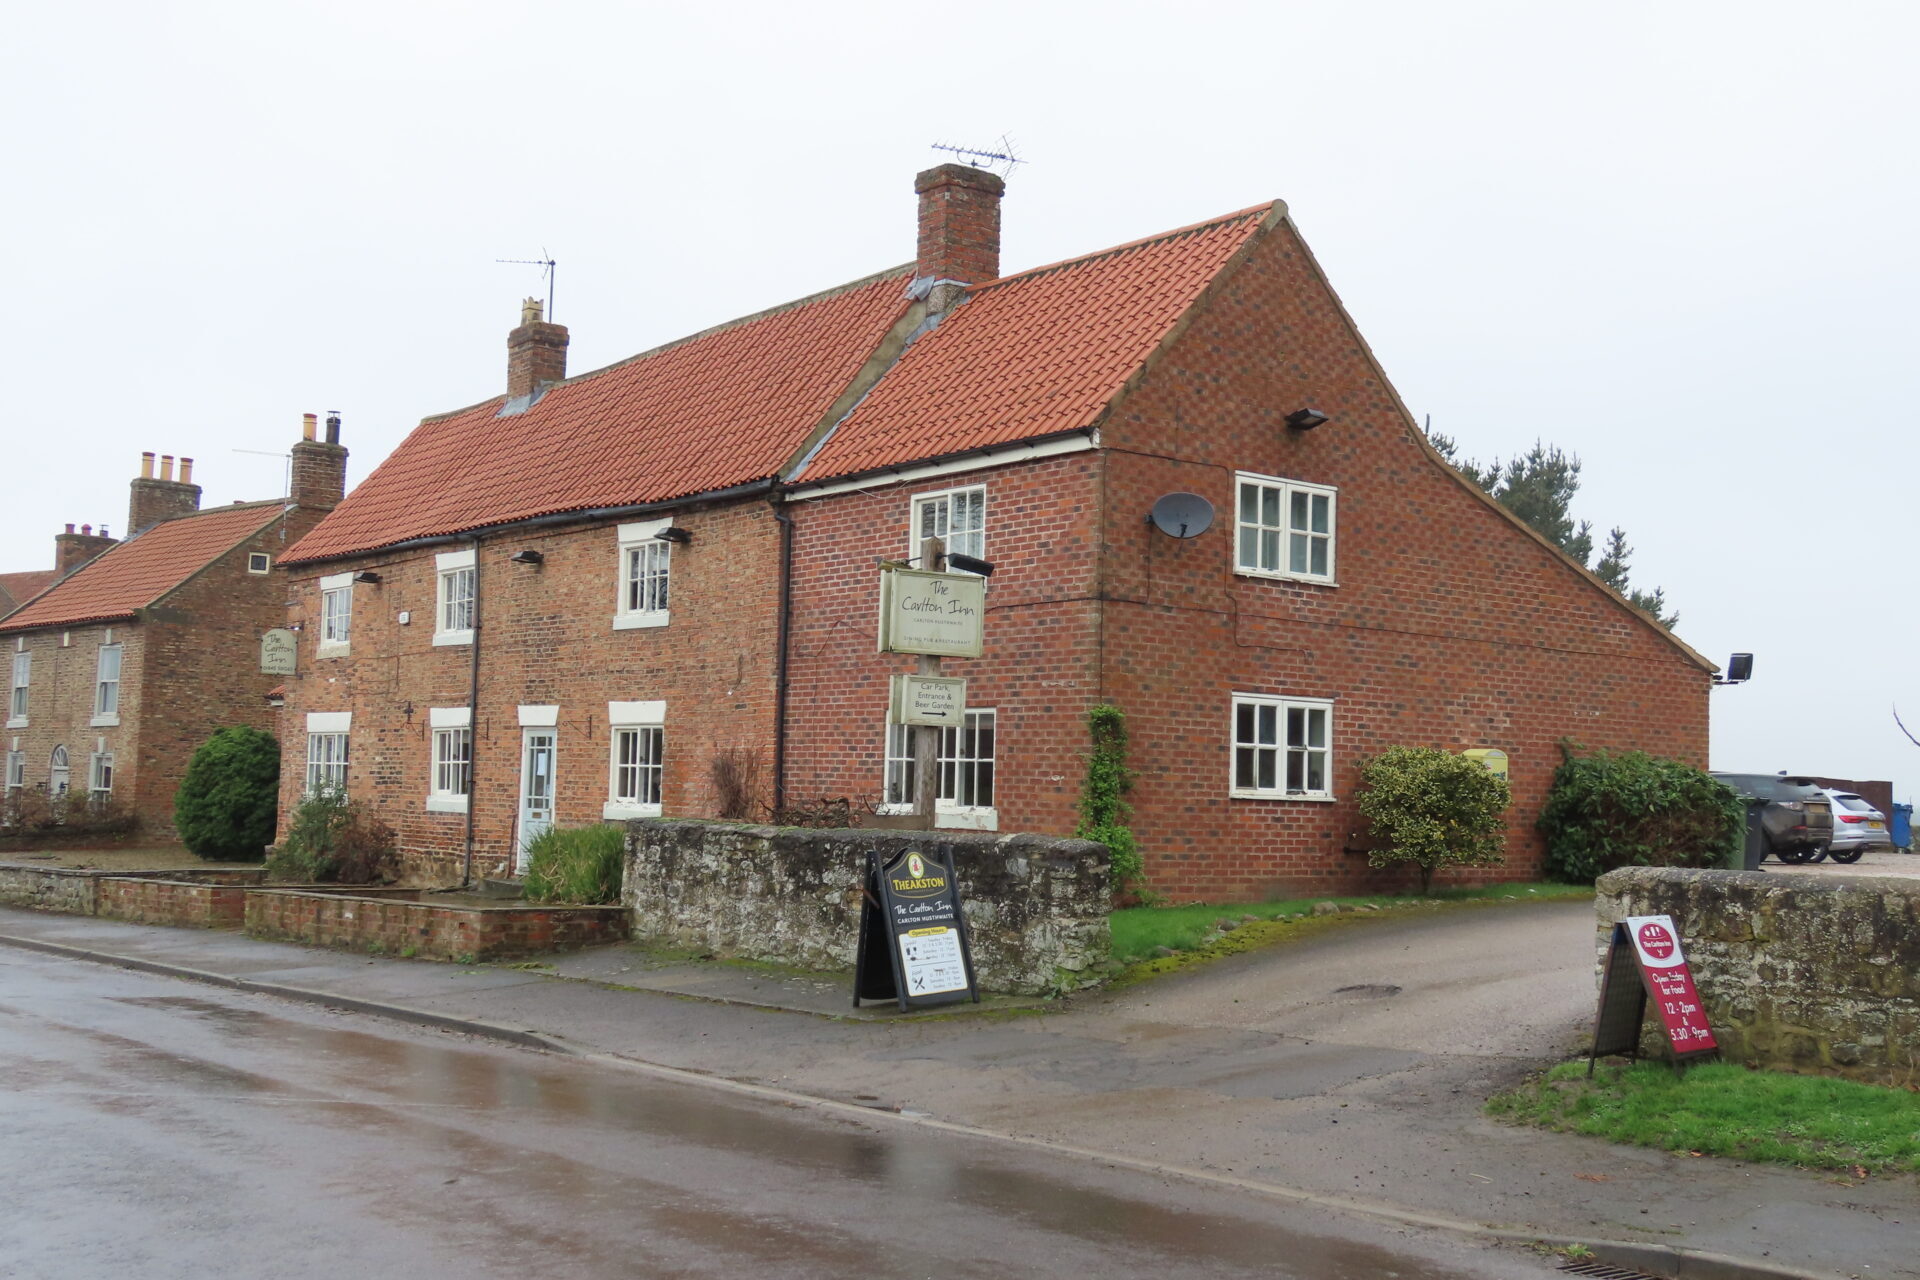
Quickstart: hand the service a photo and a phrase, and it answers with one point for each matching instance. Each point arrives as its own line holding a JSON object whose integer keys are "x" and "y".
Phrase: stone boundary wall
{"x": 80, "y": 892}
{"x": 430, "y": 930}
{"x": 49, "y": 889}
{"x": 1036, "y": 906}
{"x": 1799, "y": 972}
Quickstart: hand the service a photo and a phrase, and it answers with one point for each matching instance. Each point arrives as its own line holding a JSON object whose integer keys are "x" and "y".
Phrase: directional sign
{"x": 936, "y": 700}
{"x": 939, "y": 614}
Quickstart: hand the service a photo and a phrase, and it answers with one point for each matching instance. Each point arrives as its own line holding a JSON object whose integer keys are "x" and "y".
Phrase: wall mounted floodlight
{"x": 674, "y": 533}
{"x": 366, "y": 577}
{"x": 1305, "y": 419}
{"x": 1739, "y": 669}
{"x": 970, "y": 564}
{"x": 526, "y": 557}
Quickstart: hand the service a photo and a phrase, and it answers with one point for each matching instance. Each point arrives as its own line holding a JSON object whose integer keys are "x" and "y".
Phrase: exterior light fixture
{"x": 1739, "y": 669}
{"x": 674, "y": 533}
{"x": 366, "y": 577}
{"x": 970, "y": 564}
{"x": 526, "y": 557}
{"x": 1305, "y": 419}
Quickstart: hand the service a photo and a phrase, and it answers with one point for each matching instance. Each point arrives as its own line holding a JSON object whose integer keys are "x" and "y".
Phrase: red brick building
{"x": 572, "y": 599}
{"x": 141, "y": 649}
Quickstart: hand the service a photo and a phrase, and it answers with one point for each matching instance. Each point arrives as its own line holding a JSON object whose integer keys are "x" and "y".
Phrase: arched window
{"x": 61, "y": 775}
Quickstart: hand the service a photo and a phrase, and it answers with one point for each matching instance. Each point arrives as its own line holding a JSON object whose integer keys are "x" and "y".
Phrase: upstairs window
{"x": 1282, "y": 747}
{"x": 259, "y": 562}
{"x": 106, "y": 687}
{"x": 1285, "y": 529}
{"x": 455, "y": 606}
{"x": 645, "y": 575}
{"x": 958, "y": 515}
{"x": 336, "y": 613}
{"x": 17, "y": 698}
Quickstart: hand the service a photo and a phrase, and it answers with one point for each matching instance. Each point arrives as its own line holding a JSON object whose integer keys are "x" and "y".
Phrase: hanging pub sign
{"x": 938, "y": 614}
{"x": 914, "y": 946}
{"x": 279, "y": 652}
{"x": 1645, "y": 959}
{"x": 936, "y": 700}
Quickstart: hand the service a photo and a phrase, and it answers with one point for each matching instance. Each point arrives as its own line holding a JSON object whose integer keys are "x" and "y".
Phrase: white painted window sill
{"x": 1300, "y": 796}
{"x": 967, "y": 819}
{"x": 111, "y": 720}
{"x": 1271, "y": 575}
{"x": 636, "y": 621}
{"x": 452, "y": 637}
{"x": 18, "y": 722}
{"x": 613, "y": 811}
{"x": 332, "y": 649}
{"x": 446, "y": 804}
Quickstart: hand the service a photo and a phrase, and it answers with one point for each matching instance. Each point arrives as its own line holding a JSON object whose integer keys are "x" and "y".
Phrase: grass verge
{"x": 1139, "y": 931}
{"x": 1721, "y": 1109}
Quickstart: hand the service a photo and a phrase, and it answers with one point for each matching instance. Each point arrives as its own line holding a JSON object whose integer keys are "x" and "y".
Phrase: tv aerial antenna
{"x": 548, "y": 270}
{"x": 1004, "y": 159}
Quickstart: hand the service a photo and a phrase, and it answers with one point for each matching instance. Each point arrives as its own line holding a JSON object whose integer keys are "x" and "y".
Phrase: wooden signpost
{"x": 914, "y": 946}
{"x": 1645, "y": 959}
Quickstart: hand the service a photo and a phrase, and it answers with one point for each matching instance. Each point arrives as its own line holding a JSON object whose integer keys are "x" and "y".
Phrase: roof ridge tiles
{"x": 839, "y": 290}
{"x": 1268, "y": 208}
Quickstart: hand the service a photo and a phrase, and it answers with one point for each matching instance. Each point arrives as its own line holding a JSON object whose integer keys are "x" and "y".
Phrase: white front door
{"x": 536, "y": 789}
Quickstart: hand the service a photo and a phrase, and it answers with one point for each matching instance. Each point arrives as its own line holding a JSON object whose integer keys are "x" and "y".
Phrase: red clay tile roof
{"x": 1033, "y": 354}
{"x": 139, "y": 571}
{"x": 721, "y": 408}
{"x": 18, "y": 588}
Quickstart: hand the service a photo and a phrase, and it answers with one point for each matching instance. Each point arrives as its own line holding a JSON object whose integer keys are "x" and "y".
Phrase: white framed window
{"x": 106, "y": 687}
{"x": 646, "y": 565}
{"x": 454, "y": 610}
{"x": 100, "y": 774}
{"x": 452, "y": 771}
{"x": 1284, "y": 529}
{"x": 336, "y": 614}
{"x": 22, "y": 679}
{"x": 637, "y": 759}
{"x": 957, "y": 515}
{"x": 964, "y": 760}
{"x": 1282, "y": 747}
{"x": 326, "y": 763}
{"x": 16, "y": 766}
{"x": 259, "y": 562}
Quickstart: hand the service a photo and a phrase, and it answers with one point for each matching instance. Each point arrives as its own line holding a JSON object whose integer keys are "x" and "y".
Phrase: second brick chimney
{"x": 319, "y": 466}
{"x": 71, "y": 550}
{"x": 536, "y": 353}
{"x": 959, "y": 229}
{"x": 161, "y": 497}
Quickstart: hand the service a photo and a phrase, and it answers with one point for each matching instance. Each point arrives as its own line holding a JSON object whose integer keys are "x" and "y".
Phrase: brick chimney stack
{"x": 161, "y": 497}
{"x": 71, "y": 550}
{"x": 959, "y": 230}
{"x": 319, "y": 466}
{"x": 536, "y": 353}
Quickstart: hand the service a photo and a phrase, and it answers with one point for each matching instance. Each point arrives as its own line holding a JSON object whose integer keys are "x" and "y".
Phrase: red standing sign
{"x": 1650, "y": 946}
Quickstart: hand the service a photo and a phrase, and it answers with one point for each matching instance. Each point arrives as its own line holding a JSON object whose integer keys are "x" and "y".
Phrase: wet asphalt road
{"x": 153, "y": 1128}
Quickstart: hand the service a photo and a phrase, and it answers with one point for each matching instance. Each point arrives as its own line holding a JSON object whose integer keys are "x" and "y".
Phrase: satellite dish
{"x": 1182, "y": 515}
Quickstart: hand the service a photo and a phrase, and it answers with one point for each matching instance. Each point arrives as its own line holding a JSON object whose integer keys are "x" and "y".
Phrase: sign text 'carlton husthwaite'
{"x": 931, "y": 613}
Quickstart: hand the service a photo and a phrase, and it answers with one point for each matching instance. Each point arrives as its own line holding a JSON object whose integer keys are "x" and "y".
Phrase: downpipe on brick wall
{"x": 473, "y": 718}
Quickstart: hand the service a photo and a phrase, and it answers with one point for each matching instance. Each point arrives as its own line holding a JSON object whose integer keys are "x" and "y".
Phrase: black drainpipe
{"x": 780, "y": 654}
{"x": 473, "y": 714}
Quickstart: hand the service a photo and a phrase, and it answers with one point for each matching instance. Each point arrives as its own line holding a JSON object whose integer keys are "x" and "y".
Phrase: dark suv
{"x": 1797, "y": 823}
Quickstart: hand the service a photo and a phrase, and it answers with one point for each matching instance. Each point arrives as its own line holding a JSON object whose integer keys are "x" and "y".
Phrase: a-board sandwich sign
{"x": 937, "y": 614}
{"x": 1646, "y": 961}
{"x": 914, "y": 946}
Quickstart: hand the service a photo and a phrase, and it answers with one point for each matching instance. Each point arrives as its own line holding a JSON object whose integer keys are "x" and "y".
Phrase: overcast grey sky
{"x": 1676, "y": 239}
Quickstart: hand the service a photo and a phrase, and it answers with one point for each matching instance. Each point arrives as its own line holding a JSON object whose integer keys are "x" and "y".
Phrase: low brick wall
{"x": 216, "y": 903}
{"x": 1798, "y": 971}
{"x": 84, "y": 892}
{"x": 390, "y": 926}
{"x": 1036, "y": 906}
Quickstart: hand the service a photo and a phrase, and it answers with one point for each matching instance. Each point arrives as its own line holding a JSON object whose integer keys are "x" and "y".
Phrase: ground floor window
{"x": 1282, "y": 747}
{"x": 326, "y": 763}
{"x": 16, "y": 769}
{"x": 100, "y": 777}
{"x": 452, "y": 762}
{"x": 964, "y": 762}
{"x": 637, "y": 766}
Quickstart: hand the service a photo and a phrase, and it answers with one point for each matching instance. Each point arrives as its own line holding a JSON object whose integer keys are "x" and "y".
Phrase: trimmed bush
{"x": 332, "y": 839}
{"x": 1635, "y": 810}
{"x": 580, "y": 866}
{"x": 1434, "y": 809}
{"x": 229, "y": 802}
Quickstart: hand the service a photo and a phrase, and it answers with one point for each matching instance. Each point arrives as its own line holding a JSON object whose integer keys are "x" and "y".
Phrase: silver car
{"x": 1857, "y": 827}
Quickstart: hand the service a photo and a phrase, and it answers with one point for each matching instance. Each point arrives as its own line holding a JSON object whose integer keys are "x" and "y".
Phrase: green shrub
{"x": 580, "y": 865}
{"x": 1434, "y": 809}
{"x": 1103, "y": 805}
{"x": 229, "y": 801}
{"x": 332, "y": 839}
{"x": 1635, "y": 810}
